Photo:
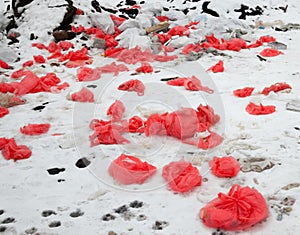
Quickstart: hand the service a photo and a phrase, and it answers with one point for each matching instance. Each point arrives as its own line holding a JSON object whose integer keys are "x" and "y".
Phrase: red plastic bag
{"x": 240, "y": 209}
{"x": 28, "y": 83}
{"x": 27, "y": 63}
{"x": 191, "y": 47}
{"x": 65, "y": 45}
{"x": 130, "y": 170}
{"x": 133, "y": 85}
{"x": 116, "y": 111}
{"x": 269, "y": 52}
{"x": 194, "y": 84}
{"x": 211, "y": 141}
{"x": 217, "y": 68}
{"x": 260, "y": 109}
{"x": 3, "y": 65}
{"x": 18, "y": 74}
{"x": 162, "y": 18}
{"x": 155, "y": 125}
{"x": 207, "y": 115}
{"x": 244, "y": 92}
{"x": 235, "y": 44}
{"x": 117, "y": 20}
{"x": 267, "y": 39}
{"x": 39, "y": 59}
{"x": 88, "y": 74}
{"x": 10, "y": 150}
{"x": 106, "y": 132}
{"x": 164, "y": 58}
{"x": 35, "y": 129}
{"x": 279, "y": 86}
{"x": 224, "y": 166}
{"x": 181, "y": 176}
{"x": 144, "y": 68}
{"x": 136, "y": 125}
{"x": 52, "y": 47}
{"x": 177, "y": 82}
{"x": 40, "y": 46}
{"x": 3, "y": 111}
{"x": 179, "y": 30}
{"x": 113, "y": 68}
{"x": 84, "y": 95}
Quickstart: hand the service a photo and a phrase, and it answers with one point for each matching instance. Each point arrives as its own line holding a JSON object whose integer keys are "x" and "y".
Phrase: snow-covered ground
{"x": 87, "y": 200}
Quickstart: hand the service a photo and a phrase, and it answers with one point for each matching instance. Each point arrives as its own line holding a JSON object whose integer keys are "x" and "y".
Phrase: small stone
{"x": 83, "y": 162}
{"x": 76, "y": 213}
{"x": 8, "y": 220}
{"x": 111, "y": 233}
{"x": 54, "y": 224}
{"x": 2, "y": 229}
{"x": 1, "y": 212}
{"x": 141, "y": 218}
{"x": 31, "y": 230}
{"x": 159, "y": 225}
{"x": 62, "y": 35}
{"x": 99, "y": 43}
{"x": 136, "y": 204}
{"x": 121, "y": 209}
{"x": 47, "y": 213}
{"x": 108, "y": 217}
{"x": 55, "y": 171}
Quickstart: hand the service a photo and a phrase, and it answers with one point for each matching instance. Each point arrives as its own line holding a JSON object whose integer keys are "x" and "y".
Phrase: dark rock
{"x": 83, "y": 162}
{"x": 76, "y": 213}
{"x": 8, "y": 220}
{"x": 160, "y": 225}
{"x": 1, "y": 212}
{"x": 68, "y": 17}
{"x": 108, "y": 217}
{"x": 54, "y": 224}
{"x": 31, "y": 230}
{"x": 99, "y": 43}
{"x": 109, "y": 10}
{"x": 111, "y": 233}
{"x": 208, "y": 11}
{"x": 60, "y": 35}
{"x": 141, "y": 217}
{"x": 61, "y": 180}
{"x": 121, "y": 209}
{"x": 90, "y": 86}
{"x": 55, "y": 171}
{"x": 130, "y": 2}
{"x": 136, "y": 204}
{"x": 39, "y": 108}
{"x": 96, "y": 6}
{"x": 132, "y": 13}
{"x": 47, "y": 213}
{"x": 2, "y": 229}
{"x": 31, "y": 36}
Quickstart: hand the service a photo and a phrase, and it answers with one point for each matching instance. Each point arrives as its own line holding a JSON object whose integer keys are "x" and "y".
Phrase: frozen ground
{"x": 87, "y": 200}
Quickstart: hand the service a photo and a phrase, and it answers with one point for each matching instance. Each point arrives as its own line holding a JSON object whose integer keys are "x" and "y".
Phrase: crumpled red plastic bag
{"x": 35, "y": 129}
{"x": 191, "y": 47}
{"x": 240, "y": 209}
{"x": 3, "y": 65}
{"x": 136, "y": 125}
{"x": 155, "y": 125}
{"x": 28, "y": 83}
{"x": 279, "y": 86}
{"x": 181, "y": 176}
{"x": 226, "y": 166}
{"x": 18, "y": 73}
{"x": 217, "y": 68}
{"x": 84, "y": 95}
{"x": 260, "y": 109}
{"x": 144, "y": 68}
{"x": 3, "y": 111}
{"x": 39, "y": 59}
{"x": 106, "y": 132}
{"x": 133, "y": 85}
{"x": 194, "y": 84}
{"x": 65, "y": 45}
{"x": 10, "y": 150}
{"x": 207, "y": 115}
{"x": 130, "y": 170}
{"x": 116, "y": 111}
{"x": 88, "y": 74}
{"x": 179, "y": 30}
{"x": 244, "y": 92}
{"x": 28, "y": 63}
{"x": 113, "y": 68}
{"x": 177, "y": 82}
{"x": 269, "y": 52}
{"x": 162, "y": 18}
{"x": 211, "y": 141}
{"x": 267, "y": 38}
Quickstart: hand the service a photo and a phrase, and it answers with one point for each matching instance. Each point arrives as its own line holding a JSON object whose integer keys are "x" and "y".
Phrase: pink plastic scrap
{"x": 191, "y": 84}
{"x": 3, "y": 111}
{"x": 84, "y": 95}
{"x": 243, "y": 92}
{"x": 260, "y": 109}
{"x": 10, "y": 150}
{"x": 144, "y": 68}
{"x": 113, "y": 68}
{"x": 181, "y": 176}
{"x": 269, "y": 52}
{"x": 279, "y": 86}
{"x": 116, "y": 111}
{"x": 130, "y": 170}
{"x": 226, "y": 166}
{"x": 35, "y": 129}
{"x": 88, "y": 74}
{"x": 217, "y": 68}
{"x": 133, "y": 85}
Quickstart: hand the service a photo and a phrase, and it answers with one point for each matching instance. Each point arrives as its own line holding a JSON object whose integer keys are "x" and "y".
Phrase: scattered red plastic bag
{"x": 130, "y": 170}
{"x": 116, "y": 111}
{"x": 191, "y": 47}
{"x": 217, "y": 68}
{"x": 18, "y": 74}
{"x": 28, "y": 83}
{"x": 244, "y": 92}
{"x": 39, "y": 59}
{"x": 179, "y": 30}
{"x": 84, "y": 95}
{"x": 162, "y": 18}
{"x": 267, "y": 38}
{"x": 10, "y": 150}
{"x": 240, "y": 209}
{"x": 65, "y": 45}
{"x": 181, "y": 176}
{"x": 35, "y": 129}
{"x": 177, "y": 82}
{"x": 144, "y": 68}
{"x": 3, "y": 65}
{"x": 269, "y": 52}
{"x": 136, "y": 125}
{"x": 155, "y": 125}
{"x": 88, "y": 74}
{"x": 106, "y": 132}
{"x": 207, "y": 115}
{"x": 279, "y": 86}
{"x": 194, "y": 84}
{"x": 211, "y": 141}
{"x": 224, "y": 166}
{"x": 27, "y": 63}
{"x": 260, "y": 109}
{"x": 3, "y": 111}
{"x": 133, "y": 85}
{"x": 113, "y": 68}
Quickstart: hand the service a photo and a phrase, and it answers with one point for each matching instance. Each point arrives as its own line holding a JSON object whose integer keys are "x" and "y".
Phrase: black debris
{"x": 136, "y": 204}
{"x": 31, "y": 230}
{"x": 1, "y": 212}
{"x": 54, "y": 224}
{"x": 121, "y": 209}
{"x": 68, "y": 17}
{"x": 168, "y": 79}
{"x": 261, "y": 58}
{"x": 130, "y": 2}
{"x": 96, "y": 5}
{"x": 159, "y": 225}
{"x": 47, "y": 213}
{"x": 91, "y": 86}
{"x": 8, "y": 220}
{"x": 76, "y": 213}
{"x": 208, "y": 11}
{"x": 247, "y": 11}
{"x": 132, "y": 13}
{"x": 109, "y": 10}
{"x": 82, "y": 163}
{"x": 55, "y": 171}
{"x": 39, "y": 108}
{"x": 2, "y": 229}
{"x": 108, "y": 217}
